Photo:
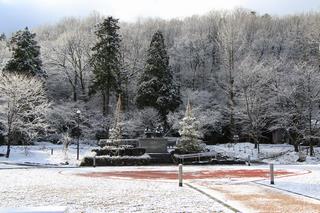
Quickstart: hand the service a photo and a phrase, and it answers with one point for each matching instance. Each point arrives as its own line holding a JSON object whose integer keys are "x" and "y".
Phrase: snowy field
{"x": 63, "y": 187}
{"x": 48, "y": 187}
{"x": 41, "y": 154}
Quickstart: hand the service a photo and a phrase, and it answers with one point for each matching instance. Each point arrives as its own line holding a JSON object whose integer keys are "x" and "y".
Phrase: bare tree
{"x": 23, "y": 105}
{"x": 254, "y": 99}
{"x": 70, "y": 54}
{"x": 231, "y": 46}
{"x": 296, "y": 107}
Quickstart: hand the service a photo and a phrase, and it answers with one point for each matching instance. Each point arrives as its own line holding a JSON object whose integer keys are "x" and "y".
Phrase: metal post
{"x": 180, "y": 175}
{"x": 51, "y": 151}
{"x": 94, "y": 161}
{"x": 271, "y": 174}
{"x": 249, "y": 164}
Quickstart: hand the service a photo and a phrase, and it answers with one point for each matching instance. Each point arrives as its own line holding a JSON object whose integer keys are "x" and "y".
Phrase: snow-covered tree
{"x": 157, "y": 87}
{"x": 255, "y": 98}
{"x": 23, "y": 105}
{"x": 189, "y": 142}
{"x": 70, "y": 55}
{"x": 26, "y": 54}
{"x": 231, "y": 48}
{"x": 4, "y": 53}
{"x": 296, "y": 107}
{"x": 105, "y": 61}
{"x": 115, "y": 133}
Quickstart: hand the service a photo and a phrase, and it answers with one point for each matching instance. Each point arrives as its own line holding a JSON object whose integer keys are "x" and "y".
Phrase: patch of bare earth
{"x": 265, "y": 200}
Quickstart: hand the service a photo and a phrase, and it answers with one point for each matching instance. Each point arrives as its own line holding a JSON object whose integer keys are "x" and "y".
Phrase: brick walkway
{"x": 250, "y": 197}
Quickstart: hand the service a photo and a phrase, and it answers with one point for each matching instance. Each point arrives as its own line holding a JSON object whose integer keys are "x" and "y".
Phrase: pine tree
{"x": 157, "y": 88}
{"x": 106, "y": 61}
{"x": 3, "y": 37}
{"x": 26, "y": 54}
{"x": 189, "y": 142}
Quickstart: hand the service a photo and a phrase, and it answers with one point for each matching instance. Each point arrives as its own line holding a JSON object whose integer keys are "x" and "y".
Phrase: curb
{"x": 213, "y": 198}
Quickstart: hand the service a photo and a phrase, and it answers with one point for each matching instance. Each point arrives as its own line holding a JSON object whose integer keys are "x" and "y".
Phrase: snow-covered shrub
{"x": 119, "y": 151}
{"x": 61, "y": 117}
{"x": 117, "y": 160}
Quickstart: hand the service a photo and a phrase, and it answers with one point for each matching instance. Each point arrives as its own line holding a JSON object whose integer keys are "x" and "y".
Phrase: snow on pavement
{"x": 306, "y": 184}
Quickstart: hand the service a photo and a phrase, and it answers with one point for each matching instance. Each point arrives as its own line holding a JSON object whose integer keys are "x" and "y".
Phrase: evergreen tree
{"x": 106, "y": 61}
{"x": 26, "y": 54}
{"x": 3, "y": 37}
{"x": 156, "y": 85}
{"x": 189, "y": 142}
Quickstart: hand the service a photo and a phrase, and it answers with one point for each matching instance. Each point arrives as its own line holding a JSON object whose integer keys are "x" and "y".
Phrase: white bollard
{"x": 271, "y": 174}
{"x": 94, "y": 161}
{"x": 180, "y": 175}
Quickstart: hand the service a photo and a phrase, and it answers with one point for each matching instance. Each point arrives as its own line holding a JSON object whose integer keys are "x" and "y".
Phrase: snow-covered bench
{"x": 197, "y": 156}
{"x": 45, "y": 209}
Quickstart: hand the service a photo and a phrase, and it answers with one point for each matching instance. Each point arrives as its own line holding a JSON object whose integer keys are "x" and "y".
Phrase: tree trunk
{"x": 82, "y": 84}
{"x": 75, "y": 98}
{"x": 311, "y": 147}
{"x": 105, "y": 101}
{"x": 8, "y": 144}
{"x": 104, "y": 110}
{"x": 83, "y": 88}
{"x": 256, "y": 143}
{"x": 296, "y": 146}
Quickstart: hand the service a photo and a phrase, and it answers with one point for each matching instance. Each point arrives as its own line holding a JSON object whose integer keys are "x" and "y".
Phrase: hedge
{"x": 116, "y": 161}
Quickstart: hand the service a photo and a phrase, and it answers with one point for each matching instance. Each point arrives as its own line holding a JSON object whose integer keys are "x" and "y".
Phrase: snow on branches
{"x": 189, "y": 142}
{"x": 23, "y": 105}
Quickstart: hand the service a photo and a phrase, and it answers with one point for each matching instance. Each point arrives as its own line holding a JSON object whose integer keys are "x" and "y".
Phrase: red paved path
{"x": 236, "y": 173}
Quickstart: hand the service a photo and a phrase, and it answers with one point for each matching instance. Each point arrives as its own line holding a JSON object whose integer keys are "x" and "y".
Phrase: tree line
{"x": 244, "y": 73}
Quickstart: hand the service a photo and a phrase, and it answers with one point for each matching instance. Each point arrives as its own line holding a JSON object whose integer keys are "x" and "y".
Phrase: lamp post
{"x": 78, "y": 132}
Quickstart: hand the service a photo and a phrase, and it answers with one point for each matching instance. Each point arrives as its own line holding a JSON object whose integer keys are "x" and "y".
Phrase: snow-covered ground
{"x": 60, "y": 187}
{"x": 40, "y": 153}
{"x": 269, "y": 153}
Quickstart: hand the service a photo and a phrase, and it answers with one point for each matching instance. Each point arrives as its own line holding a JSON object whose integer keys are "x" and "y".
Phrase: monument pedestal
{"x": 154, "y": 145}
{"x": 157, "y": 149}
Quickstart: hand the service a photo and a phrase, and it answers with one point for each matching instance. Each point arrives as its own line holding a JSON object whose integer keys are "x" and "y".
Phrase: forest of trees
{"x": 244, "y": 74}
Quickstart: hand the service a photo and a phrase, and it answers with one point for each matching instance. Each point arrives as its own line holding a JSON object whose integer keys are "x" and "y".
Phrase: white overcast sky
{"x": 16, "y": 14}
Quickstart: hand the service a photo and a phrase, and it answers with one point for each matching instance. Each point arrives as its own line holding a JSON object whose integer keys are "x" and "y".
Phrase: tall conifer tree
{"x": 106, "y": 61}
{"x": 156, "y": 85}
